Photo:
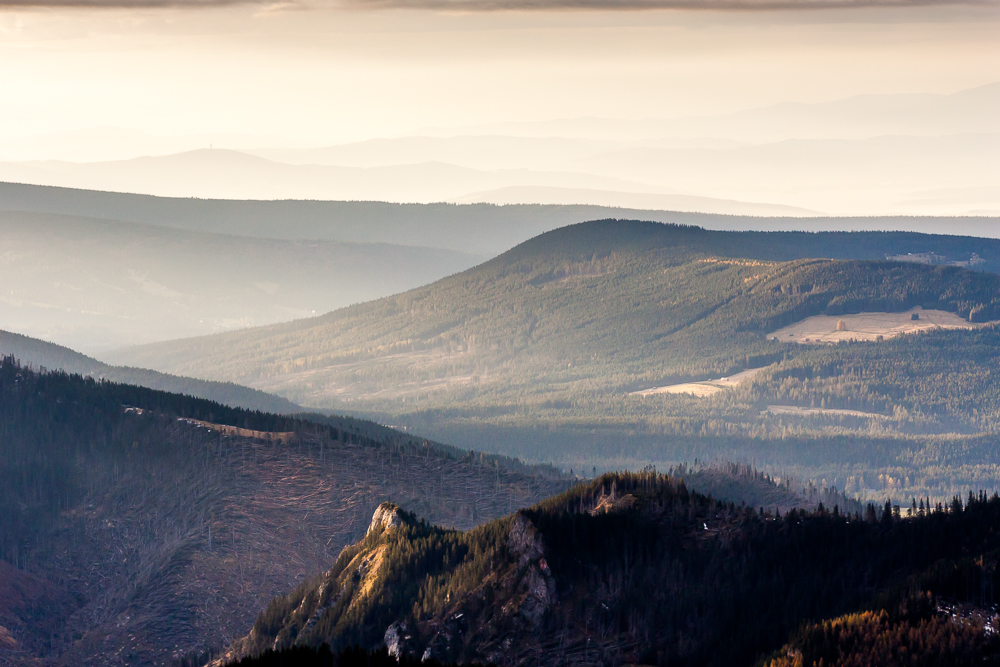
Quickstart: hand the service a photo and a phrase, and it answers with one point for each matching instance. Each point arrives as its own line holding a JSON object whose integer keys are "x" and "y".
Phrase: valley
{"x": 147, "y": 528}
{"x": 150, "y": 528}
{"x": 98, "y": 283}
{"x": 539, "y": 353}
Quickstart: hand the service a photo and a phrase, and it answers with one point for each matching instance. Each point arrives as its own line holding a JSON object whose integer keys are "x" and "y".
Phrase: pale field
{"x": 793, "y": 410}
{"x": 701, "y": 389}
{"x": 822, "y": 329}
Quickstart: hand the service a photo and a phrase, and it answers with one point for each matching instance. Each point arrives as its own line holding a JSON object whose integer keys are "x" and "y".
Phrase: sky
{"x": 302, "y": 75}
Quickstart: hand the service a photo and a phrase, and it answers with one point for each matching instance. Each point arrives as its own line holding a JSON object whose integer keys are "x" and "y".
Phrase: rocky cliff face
{"x": 371, "y": 596}
{"x": 487, "y": 595}
{"x": 344, "y": 590}
{"x": 490, "y": 622}
{"x": 626, "y": 569}
{"x": 387, "y": 515}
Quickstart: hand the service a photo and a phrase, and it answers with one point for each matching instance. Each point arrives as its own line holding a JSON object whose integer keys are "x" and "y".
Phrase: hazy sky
{"x": 318, "y": 75}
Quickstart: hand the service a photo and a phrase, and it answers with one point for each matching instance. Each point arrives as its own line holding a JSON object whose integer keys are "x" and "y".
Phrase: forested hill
{"x": 537, "y": 354}
{"x": 597, "y": 308}
{"x": 638, "y": 569}
{"x": 41, "y": 354}
{"x": 579, "y": 242}
{"x": 129, "y": 517}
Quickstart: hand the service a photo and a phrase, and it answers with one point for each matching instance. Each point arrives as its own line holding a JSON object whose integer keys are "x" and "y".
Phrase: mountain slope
{"x": 625, "y": 569}
{"x": 39, "y": 354}
{"x": 96, "y": 284}
{"x": 151, "y": 525}
{"x": 540, "y": 353}
{"x": 482, "y": 229}
{"x": 605, "y": 307}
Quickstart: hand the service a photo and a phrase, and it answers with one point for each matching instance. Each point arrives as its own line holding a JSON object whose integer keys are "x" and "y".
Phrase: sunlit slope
{"x": 596, "y": 308}
{"x": 640, "y": 569}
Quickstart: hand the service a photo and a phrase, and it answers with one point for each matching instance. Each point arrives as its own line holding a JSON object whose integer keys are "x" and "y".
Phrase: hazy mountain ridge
{"x": 866, "y": 154}
{"x": 483, "y": 229}
{"x": 639, "y": 200}
{"x": 39, "y": 354}
{"x": 236, "y": 175}
{"x": 884, "y": 174}
{"x": 879, "y": 174}
{"x": 98, "y": 283}
{"x": 973, "y": 109}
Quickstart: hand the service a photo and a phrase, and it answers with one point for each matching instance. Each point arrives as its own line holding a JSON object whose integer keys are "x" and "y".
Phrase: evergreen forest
{"x": 639, "y": 569}
{"x": 540, "y": 352}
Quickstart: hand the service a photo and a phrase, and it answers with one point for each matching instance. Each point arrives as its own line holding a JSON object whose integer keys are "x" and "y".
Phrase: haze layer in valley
{"x": 96, "y": 271}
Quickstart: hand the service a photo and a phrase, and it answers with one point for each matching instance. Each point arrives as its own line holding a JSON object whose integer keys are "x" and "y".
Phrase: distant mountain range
{"x": 480, "y": 229}
{"x": 635, "y": 200}
{"x": 94, "y": 283}
{"x": 881, "y": 175}
{"x": 229, "y": 174}
{"x": 885, "y": 155}
{"x": 96, "y": 270}
{"x": 858, "y": 117}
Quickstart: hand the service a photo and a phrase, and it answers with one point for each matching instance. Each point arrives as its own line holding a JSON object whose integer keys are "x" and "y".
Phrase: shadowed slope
{"x": 625, "y": 569}
{"x": 40, "y": 354}
{"x": 170, "y": 521}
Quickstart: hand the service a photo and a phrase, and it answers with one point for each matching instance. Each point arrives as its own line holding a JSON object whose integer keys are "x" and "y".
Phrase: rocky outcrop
{"x": 524, "y": 540}
{"x": 492, "y": 619}
{"x": 535, "y": 587}
{"x": 387, "y": 516}
{"x": 399, "y": 640}
{"x": 347, "y": 586}
{"x": 613, "y": 503}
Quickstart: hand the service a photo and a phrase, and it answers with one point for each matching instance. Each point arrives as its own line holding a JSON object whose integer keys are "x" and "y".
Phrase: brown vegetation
{"x": 143, "y": 535}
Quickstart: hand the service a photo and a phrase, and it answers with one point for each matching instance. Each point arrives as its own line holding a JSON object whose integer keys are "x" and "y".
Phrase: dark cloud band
{"x": 522, "y": 5}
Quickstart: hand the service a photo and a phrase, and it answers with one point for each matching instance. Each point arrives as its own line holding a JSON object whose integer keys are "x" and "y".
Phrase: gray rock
{"x": 524, "y": 540}
{"x": 386, "y": 516}
{"x": 394, "y": 639}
